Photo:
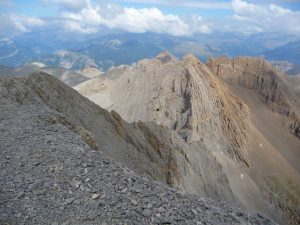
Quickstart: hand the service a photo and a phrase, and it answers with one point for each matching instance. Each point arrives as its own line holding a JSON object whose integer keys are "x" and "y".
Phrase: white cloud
{"x": 279, "y": 11}
{"x": 93, "y": 17}
{"x": 11, "y": 23}
{"x": 86, "y": 17}
{"x": 265, "y": 18}
{"x": 198, "y": 25}
{"x": 143, "y": 20}
{"x": 128, "y": 19}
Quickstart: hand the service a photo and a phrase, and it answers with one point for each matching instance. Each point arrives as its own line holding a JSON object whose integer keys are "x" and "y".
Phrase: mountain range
{"x": 111, "y": 50}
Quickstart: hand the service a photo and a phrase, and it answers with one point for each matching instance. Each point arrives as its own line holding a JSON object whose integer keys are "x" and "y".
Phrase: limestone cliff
{"x": 270, "y": 83}
{"x": 182, "y": 95}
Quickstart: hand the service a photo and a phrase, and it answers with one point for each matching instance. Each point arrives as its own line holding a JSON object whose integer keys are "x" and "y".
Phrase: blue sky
{"x": 175, "y": 17}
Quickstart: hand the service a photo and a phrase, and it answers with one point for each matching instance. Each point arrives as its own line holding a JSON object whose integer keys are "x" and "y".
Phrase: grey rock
{"x": 21, "y": 195}
{"x": 147, "y": 213}
{"x": 134, "y": 202}
{"x": 95, "y": 196}
{"x": 161, "y": 209}
{"x": 35, "y": 185}
{"x": 69, "y": 200}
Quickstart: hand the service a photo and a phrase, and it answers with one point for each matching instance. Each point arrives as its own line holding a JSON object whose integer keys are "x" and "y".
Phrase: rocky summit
{"x": 55, "y": 167}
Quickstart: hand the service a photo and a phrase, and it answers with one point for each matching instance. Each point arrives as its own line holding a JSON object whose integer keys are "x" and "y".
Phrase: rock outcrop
{"x": 259, "y": 75}
{"x": 184, "y": 96}
{"x": 273, "y": 99}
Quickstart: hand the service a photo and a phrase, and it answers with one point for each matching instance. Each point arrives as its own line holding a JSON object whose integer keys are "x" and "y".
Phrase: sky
{"x": 174, "y": 17}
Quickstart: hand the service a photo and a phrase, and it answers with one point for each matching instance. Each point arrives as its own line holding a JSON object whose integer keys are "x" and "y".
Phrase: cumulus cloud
{"x": 148, "y": 19}
{"x": 198, "y": 25}
{"x": 87, "y": 17}
{"x": 255, "y": 18}
{"x": 127, "y": 19}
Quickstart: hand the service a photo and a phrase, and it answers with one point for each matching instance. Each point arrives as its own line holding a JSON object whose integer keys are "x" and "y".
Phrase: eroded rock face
{"x": 273, "y": 99}
{"x": 259, "y": 75}
{"x": 184, "y": 96}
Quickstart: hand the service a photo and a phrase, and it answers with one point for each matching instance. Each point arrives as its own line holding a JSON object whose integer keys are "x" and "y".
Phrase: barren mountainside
{"x": 55, "y": 147}
{"x": 185, "y": 96}
{"x": 190, "y": 98}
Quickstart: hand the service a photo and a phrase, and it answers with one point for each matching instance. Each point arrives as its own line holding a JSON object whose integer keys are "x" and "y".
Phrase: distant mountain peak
{"x": 165, "y": 57}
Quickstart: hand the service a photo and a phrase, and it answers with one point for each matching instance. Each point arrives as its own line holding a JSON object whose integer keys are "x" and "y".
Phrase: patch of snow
{"x": 38, "y": 64}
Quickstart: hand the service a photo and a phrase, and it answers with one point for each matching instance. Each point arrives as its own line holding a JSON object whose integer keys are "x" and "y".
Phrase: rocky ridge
{"x": 188, "y": 97}
{"x": 182, "y": 95}
{"x": 51, "y": 174}
{"x": 259, "y": 75}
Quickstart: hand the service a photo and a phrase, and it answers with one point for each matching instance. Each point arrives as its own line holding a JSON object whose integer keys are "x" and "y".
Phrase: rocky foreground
{"x": 50, "y": 174}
